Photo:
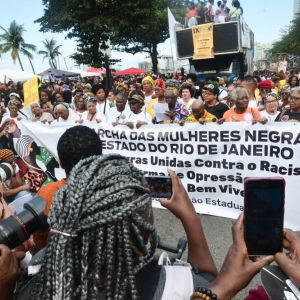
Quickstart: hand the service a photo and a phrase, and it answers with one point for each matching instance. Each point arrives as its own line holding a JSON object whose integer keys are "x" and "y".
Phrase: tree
{"x": 13, "y": 41}
{"x": 51, "y": 52}
{"x": 133, "y": 25}
{"x": 150, "y": 34}
{"x": 90, "y": 22}
{"x": 290, "y": 40}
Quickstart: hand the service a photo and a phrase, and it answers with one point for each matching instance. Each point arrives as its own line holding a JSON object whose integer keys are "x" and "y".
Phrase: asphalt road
{"x": 218, "y": 234}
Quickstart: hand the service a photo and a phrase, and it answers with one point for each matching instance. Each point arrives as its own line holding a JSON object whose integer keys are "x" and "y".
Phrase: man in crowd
{"x": 119, "y": 113}
{"x": 199, "y": 114}
{"x": 137, "y": 116}
{"x": 76, "y": 143}
{"x": 210, "y": 93}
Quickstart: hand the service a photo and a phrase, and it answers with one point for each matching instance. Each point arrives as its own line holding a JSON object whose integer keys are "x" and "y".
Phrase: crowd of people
{"x": 199, "y": 13}
{"x": 103, "y": 241}
{"x": 166, "y": 99}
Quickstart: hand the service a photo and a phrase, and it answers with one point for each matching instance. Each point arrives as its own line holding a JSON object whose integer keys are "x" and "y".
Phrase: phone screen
{"x": 160, "y": 187}
{"x": 264, "y": 211}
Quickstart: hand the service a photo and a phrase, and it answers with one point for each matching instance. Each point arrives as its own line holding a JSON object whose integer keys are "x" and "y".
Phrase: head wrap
{"x": 148, "y": 78}
{"x": 160, "y": 83}
{"x": 6, "y": 155}
{"x": 275, "y": 95}
{"x": 265, "y": 84}
{"x": 172, "y": 84}
{"x": 23, "y": 145}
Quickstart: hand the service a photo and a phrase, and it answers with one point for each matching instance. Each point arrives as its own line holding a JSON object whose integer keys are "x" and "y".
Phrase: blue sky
{"x": 265, "y": 17}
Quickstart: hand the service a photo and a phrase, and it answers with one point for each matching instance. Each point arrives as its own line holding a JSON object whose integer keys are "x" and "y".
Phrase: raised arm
{"x": 181, "y": 206}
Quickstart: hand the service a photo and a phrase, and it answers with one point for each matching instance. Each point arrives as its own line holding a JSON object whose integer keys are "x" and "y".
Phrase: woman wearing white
{"x": 92, "y": 114}
{"x": 38, "y": 114}
{"x": 271, "y": 104}
{"x": 103, "y": 105}
{"x": 64, "y": 114}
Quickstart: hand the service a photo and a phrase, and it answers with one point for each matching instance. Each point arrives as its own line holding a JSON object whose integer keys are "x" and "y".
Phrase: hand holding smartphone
{"x": 264, "y": 214}
{"x": 160, "y": 187}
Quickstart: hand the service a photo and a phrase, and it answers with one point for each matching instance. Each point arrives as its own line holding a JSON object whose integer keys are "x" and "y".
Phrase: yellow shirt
{"x": 150, "y": 107}
{"x": 207, "y": 117}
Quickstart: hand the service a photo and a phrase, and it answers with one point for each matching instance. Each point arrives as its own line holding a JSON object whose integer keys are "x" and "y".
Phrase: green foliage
{"x": 12, "y": 41}
{"x": 131, "y": 25}
{"x": 290, "y": 41}
{"x": 51, "y": 52}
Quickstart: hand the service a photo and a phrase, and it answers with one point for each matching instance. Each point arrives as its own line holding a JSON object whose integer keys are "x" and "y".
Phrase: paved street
{"x": 217, "y": 230}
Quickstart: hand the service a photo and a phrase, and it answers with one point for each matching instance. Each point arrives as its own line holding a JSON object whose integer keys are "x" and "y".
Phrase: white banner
{"x": 211, "y": 159}
{"x": 245, "y": 34}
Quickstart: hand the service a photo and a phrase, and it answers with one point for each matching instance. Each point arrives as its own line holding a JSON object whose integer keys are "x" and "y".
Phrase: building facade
{"x": 296, "y": 8}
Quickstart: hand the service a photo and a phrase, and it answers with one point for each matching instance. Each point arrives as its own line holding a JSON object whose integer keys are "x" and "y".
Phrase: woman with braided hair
{"x": 103, "y": 241}
{"x": 105, "y": 203}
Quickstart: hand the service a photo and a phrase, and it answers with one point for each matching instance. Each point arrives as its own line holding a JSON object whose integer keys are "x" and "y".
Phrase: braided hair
{"x": 106, "y": 203}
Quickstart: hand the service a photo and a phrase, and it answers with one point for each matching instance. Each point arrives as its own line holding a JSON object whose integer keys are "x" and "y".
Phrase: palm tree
{"x": 13, "y": 41}
{"x": 51, "y": 52}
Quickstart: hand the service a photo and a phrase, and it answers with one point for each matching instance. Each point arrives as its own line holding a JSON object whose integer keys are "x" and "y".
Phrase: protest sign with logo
{"x": 31, "y": 92}
{"x": 203, "y": 39}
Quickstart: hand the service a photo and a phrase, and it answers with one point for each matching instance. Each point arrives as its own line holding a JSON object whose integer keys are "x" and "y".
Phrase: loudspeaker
{"x": 226, "y": 40}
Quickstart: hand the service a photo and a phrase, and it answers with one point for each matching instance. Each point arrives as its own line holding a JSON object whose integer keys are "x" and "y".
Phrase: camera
{"x": 6, "y": 171}
{"x": 18, "y": 228}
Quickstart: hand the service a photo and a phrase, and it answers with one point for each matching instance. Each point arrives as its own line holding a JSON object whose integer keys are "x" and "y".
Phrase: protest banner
{"x": 31, "y": 92}
{"x": 211, "y": 160}
{"x": 203, "y": 39}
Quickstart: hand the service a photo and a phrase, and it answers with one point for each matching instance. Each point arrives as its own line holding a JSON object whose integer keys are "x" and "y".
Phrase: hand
{"x": 140, "y": 124}
{"x": 25, "y": 187}
{"x": 170, "y": 114}
{"x": 98, "y": 121}
{"x": 19, "y": 118}
{"x": 80, "y": 121}
{"x": 114, "y": 124}
{"x": 9, "y": 267}
{"x": 5, "y": 125}
{"x": 181, "y": 122}
{"x": 130, "y": 125}
{"x": 290, "y": 263}
{"x": 262, "y": 121}
{"x": 202, "y": 121}
{"x": 221, "y": 121}
{"x": 180, "y": 204}
{"x": 44, "y": 121}
{"x": 237, "y": 269}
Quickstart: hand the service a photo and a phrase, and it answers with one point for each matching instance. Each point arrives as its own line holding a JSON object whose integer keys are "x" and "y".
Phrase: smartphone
{"x": 264, "y": 214}
{"x": 160, "y": 187}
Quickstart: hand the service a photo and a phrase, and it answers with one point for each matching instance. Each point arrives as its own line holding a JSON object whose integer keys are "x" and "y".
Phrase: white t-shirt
{"x": 142, "y": 116}
{"x": 73, "y": 117}
{"x": 116, "y": 116}
{"x": 102, "y": 106}
{"x": 270, "y": 118}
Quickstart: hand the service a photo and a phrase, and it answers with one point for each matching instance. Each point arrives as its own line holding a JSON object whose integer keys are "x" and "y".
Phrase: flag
{"x": 172, "y": 24}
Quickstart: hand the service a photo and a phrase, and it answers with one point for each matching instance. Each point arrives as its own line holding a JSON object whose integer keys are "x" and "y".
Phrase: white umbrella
{"x": 14, "y": 75}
